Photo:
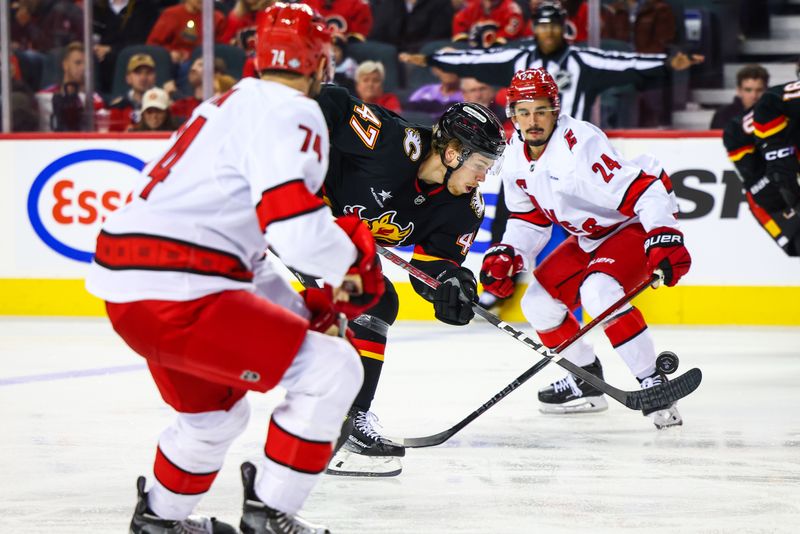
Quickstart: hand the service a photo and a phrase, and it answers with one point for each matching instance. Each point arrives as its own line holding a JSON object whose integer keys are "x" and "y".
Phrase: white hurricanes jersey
{"x": 583, "y": 184}
{"x": 240, "y": 175}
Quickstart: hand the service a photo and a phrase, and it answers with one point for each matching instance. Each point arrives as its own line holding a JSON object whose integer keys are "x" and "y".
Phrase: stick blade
{"x": 667, "y": 393}
{"x": 425, "y": 441}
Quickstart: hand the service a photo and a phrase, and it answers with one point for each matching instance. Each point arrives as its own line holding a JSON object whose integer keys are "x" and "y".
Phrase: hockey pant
{"x": 204, "y": 355}
{"x": 570, "y": 277}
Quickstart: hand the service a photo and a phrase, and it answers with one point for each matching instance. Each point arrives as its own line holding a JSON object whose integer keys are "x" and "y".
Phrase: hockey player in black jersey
{"x": 581, "y": 73}
{"x": 762, "y": 143}
{"x": 411, "y": 185}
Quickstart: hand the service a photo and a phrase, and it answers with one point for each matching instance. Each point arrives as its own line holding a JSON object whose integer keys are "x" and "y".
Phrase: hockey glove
{"x": 664, "y": 249}
{"x": 500, "y": 264}
{"x": 324, "y": 315}
{"x": 367, "y": 267}
{"x": 767, "y": 195}
{"x": 452, "y": 301}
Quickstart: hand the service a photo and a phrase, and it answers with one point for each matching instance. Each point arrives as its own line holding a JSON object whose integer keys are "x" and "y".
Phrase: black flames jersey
{"x": 375, "y": 156}
{"x": 776, "y": 116}
{"x": 740, "y": 142}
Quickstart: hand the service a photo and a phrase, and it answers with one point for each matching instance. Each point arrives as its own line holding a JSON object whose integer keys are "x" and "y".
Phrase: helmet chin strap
{"x": 450, "y": 170}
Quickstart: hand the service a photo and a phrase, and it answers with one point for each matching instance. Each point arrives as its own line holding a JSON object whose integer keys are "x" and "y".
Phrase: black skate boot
{"x": 365, "y": 452}
{"x": 663, "y": 416}
{"x": 146, "y": 522}
{"x": 573, "y": 395}
{"x": 258, "y": 518}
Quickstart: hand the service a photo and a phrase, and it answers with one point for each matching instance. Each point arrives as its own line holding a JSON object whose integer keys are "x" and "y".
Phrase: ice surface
{"x": 81, "y": 417}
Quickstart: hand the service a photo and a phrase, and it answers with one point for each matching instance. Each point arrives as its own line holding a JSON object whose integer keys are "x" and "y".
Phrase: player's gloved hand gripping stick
{"x": 644, "y": 399}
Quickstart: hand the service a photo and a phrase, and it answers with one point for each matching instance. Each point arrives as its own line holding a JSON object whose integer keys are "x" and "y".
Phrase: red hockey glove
{"x": 665, "y": 251}
{"x": 367, "y": 267}
{"x": 500, "y": 263}
{"x": 324, "y": 315}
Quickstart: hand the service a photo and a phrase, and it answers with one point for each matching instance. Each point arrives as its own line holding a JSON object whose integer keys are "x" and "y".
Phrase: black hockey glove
{"x": 782, "y": 170}
{"x": 767, "y": 195}
{"x": 452, "y": 302}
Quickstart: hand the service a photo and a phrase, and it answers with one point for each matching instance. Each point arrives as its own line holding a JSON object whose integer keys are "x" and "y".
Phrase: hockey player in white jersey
{"x": 621, "y": 215}
{"x": 187, "y": 285}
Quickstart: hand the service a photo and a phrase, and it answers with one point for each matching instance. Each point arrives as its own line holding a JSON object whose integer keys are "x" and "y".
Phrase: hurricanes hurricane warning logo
{"x": 383, "y": 227}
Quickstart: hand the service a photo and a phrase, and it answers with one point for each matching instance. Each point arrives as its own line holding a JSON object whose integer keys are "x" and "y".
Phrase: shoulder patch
{"x": 412, "y": 144}
{"x": 477, "y": 204}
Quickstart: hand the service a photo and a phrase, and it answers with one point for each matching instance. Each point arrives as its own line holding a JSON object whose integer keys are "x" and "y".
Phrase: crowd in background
{"x": 156, "y": 87}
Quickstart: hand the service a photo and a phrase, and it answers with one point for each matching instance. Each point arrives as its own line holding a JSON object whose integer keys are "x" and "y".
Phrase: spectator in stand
{"x": 435, "y": 98}
{"x": 490, "y": 22}
{"x": 61, "y": 104}
{"x": 344, "y": 73}
{"x": 156, "y": 116}
{"x": 409, "y": 24}
{"x": 652, "y": 32}
{"x": 117, "y": 24}
{"x": 179, "y": 29}
{"x": 223, "y": 83}
{"x": 240, "y": 26}
{"x": 481, "y": 93}
{"x": 126, "y": 109}
{"x": 24, "y": 117}
{"x": 369, "y": 86}
{"x": 43, "y": 25}
{"x": 352, "y": 18}
{"x": 751, "y": 82}
{"x": 192, "y": 96}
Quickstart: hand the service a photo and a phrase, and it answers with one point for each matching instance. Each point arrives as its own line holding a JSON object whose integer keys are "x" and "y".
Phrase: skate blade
{"x": 349, "y": 464}
{"x": 581, "y": 405}
{"x": 666, "y": 418}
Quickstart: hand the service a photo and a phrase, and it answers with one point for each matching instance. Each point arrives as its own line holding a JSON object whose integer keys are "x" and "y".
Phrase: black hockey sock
{"x": 372, "y": 374}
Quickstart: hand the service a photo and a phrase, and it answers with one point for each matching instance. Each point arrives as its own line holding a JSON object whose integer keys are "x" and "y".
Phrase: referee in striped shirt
{"x": 581, "y": 73}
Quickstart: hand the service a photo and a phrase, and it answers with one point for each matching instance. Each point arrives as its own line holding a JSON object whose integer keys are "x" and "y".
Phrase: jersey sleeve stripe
{"x": 120, "y": 252}
{"x": 420, "y": 255}
{"x": 178, "y": 480}
{"x": 771, "y": 128}
{"x": 634, "y": 192}
{"x": 535, "y": 217}
{"x": 285, "y": 201}
{"x": 665, "y": 179}
{"x": 739, "y": 153}
{"x": 296, "y": 453}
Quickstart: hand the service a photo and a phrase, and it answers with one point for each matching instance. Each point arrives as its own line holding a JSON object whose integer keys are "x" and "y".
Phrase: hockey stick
{"x": 644, "y": 399}
{"x": 441, "y": 437}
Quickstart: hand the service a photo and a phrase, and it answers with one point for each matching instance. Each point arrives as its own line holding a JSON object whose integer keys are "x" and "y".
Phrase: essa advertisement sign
{"x": 72, "y": 196}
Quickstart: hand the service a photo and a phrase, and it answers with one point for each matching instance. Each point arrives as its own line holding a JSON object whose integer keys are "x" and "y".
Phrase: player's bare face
{"x": 536, "y": 120}
{"x": 549, "y": 36}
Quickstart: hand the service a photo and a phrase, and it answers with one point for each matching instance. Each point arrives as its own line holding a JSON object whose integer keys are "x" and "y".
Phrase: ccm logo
{"x": 663, "y": 240}
{"x": 779, "y": 153}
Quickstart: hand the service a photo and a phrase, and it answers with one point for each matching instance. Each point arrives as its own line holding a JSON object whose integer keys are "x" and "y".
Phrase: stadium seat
{"x": 159, "y": 54}
{"x": 385, "y": 53}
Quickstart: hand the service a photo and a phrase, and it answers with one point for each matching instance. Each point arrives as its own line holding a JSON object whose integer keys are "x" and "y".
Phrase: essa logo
{"x": 71, "y": 198}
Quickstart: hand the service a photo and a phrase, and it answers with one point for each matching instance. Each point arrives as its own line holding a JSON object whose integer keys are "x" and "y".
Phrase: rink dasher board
{"x": 56, "y": 190}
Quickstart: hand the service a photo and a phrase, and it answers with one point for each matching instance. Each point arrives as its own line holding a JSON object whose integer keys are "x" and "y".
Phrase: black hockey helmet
{"x": 549, "y": 12}
{"x": 475, "y": 126}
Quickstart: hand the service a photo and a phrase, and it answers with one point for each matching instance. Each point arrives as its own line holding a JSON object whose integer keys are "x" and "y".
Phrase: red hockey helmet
{"x": 527, "y": 85}
{"x": 291, "y": 37}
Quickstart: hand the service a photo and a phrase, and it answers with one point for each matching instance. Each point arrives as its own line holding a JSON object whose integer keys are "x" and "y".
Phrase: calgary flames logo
{"x": 385, "y": 230}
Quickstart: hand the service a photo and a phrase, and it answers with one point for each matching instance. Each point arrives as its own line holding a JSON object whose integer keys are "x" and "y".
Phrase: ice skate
{"x": 573, "y": 395}
{"x": 365, "y": 452}
{"x": 664, "y": 416}
{"x": 258, "y": 518}
{"x": 146, "y": 522}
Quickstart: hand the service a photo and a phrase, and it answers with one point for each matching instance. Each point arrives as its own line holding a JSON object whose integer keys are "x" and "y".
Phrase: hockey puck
{"x": 667, "y": 362}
